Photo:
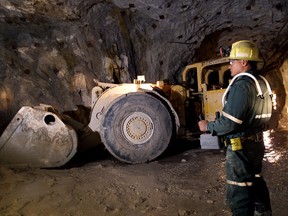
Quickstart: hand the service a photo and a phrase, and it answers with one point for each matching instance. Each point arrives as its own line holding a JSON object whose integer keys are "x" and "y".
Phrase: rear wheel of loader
{"x": 137, "y": 128}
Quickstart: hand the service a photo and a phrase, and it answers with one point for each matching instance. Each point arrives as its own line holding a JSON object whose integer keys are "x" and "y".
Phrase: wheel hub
{"x": 138, "y": 128}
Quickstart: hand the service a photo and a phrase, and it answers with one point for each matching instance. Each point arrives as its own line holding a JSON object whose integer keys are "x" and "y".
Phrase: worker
{"x": 247, "y": 108}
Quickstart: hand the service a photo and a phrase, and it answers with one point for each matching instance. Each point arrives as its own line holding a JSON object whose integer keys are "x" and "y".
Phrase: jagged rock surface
{"x": 51, "y": 50}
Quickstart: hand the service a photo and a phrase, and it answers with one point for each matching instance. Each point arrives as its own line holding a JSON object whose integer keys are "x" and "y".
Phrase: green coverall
{"x": 245, "y": 114}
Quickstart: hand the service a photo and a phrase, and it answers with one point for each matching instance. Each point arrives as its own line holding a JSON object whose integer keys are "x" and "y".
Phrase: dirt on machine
{"x": 134, "y": 121}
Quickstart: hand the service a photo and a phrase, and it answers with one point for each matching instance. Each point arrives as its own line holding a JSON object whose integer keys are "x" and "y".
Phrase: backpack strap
{"x": 267, "y": 85}
{"x": 259, "y": 91}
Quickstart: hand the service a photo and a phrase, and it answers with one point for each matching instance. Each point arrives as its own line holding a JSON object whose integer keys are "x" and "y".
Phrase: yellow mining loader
{"x": 135, "y": 121}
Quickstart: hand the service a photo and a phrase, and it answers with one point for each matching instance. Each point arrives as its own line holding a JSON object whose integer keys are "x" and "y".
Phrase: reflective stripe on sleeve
{"x": 241, "y": 184}
{"x": 232, "y": 118}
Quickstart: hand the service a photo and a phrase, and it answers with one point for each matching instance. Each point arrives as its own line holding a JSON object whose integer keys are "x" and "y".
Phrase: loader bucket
{"x": 37, "y": 138}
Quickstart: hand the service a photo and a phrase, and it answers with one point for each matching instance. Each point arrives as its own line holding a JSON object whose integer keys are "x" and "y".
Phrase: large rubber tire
{"x": 137, "y": 128}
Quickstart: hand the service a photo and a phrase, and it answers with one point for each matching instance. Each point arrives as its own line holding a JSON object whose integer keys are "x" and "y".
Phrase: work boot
{"x": 260, "y": 210}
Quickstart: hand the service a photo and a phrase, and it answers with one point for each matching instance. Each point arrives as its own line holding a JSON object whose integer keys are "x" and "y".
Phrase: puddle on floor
{"x": 276, "y": 143}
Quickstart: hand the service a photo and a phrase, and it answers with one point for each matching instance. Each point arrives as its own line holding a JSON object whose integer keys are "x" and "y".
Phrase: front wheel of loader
{"x": 137, "y": 128}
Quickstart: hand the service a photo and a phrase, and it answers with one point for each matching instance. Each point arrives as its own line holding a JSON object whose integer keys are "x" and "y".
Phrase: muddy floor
{"x": 186, "y": 180}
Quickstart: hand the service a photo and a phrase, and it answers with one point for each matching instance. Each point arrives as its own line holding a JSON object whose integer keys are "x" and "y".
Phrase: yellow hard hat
{"x": 244, "y": 50}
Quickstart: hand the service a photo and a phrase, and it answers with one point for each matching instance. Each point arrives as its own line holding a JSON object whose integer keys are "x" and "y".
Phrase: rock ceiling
{"x": 51, "y": 50}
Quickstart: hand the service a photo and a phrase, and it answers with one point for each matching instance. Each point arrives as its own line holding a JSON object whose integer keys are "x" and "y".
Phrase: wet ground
{"x": 185, "y": 180}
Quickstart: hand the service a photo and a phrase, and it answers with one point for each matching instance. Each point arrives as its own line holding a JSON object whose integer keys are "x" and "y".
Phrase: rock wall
{"x": 51, "y": 50}
{"x": 284, "y": 94}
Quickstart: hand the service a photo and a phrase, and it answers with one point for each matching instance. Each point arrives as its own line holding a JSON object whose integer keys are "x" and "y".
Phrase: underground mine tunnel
{"x": 53, "y": 54}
